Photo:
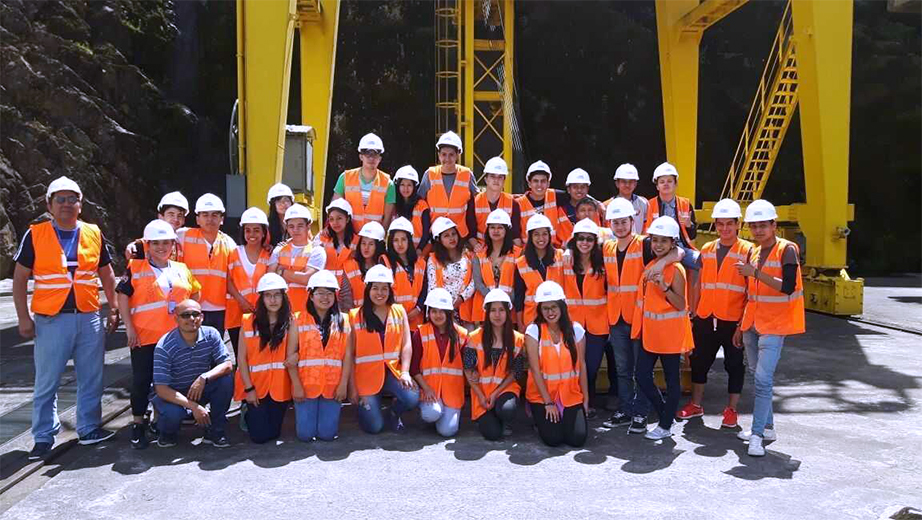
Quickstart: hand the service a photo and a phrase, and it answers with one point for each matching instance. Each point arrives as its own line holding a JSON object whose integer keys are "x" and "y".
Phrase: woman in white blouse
{"x": 450, "y": 267}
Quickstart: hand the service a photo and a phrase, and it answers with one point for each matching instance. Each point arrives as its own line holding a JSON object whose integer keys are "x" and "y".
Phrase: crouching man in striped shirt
{"x": 192, "y": 368}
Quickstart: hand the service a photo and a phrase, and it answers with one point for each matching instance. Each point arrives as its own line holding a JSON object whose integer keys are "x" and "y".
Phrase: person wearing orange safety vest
{"x": 492, "y": 199}
{"x": 437, "y": 366}
{"x": 661, "y": 322}
{"x": 626, "y": 178}
{"x": 668, "y": 204}
{"x": 718, "y": 305}
{"x": 557, "y": 389}
{"x": 412, "y": 207}
{"x": 338, "y": 238}
{"x": 409, "y": 270}
{"x": 320, "y": 365}
{"x": 383, "y": 353}
{"x": 68, "y": 260}
{"x": 173, "y": 208}
{"x": 539, "y": 262}
{"x": 774, "y": 310}
{"x": 494, "y": 361}
{"x": 297, "y": 259}
{"x": 266, "y": 337}
{"x": 279, "y": 198}
{"x": 248, "y": 263}
{"x": 147, "y": 296}
{"x": 494, "y": 266}
{"x": 206, "y": 252}
{"x": 451, "y": 267}
{"x": 367, "y": 253}
{"x": 368, "y": 190}
{"x": 577, "y": 183}
{"x": 542, "y": 199}
{"x": 450, "y": 188}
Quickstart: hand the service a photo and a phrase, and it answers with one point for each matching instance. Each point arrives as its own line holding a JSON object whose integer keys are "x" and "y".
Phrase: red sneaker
{"x": 690, "y": 410}
{"x": 731, "y": 419}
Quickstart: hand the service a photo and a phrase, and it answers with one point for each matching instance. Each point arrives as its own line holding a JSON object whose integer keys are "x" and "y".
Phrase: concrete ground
{"x": 847, "y": 414}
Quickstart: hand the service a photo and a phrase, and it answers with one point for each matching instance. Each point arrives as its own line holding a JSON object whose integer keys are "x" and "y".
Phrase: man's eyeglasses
{"x": 69, "y": 199}
{"x": 190, "y": 315}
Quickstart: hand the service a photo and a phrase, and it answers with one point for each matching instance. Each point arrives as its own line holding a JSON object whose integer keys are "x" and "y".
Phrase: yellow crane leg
{"x": 823, "y": 36}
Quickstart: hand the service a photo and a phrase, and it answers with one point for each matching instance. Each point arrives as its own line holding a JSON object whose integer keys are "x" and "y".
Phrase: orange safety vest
{"x": 683, "y": 210}
{"x": 288, "y": 260}
{"x": 533, "y": 279}
{"x": 445, "y": 377}
{"x": 336, "y": 260}
{"x": 723, "y": 289}
{"x": 768, "y": 310}
{"x": 406, "y": 293}
{"x": 464, "y": 308}
{"x": 455, "y": 206}
{"x": 417, "y": 220}
{"x": 506, "y": 280}
{"x": 53, "y": 281}
{"x": 150, "y": 307}
{"x": 550, "y": 210}
{"x": 585, "y": 302}
{"x": 622, "y": 288}
{"x": 665, "y": 329}
{"x": 352, "y": 192}
{"x": 209, "y": 269}
{"x": 320, "y": 368}
{"x": 268, "y": 373}
{"x": 491, "y": 376}
{"x": 482, "y": 211}
{"x": 559, "y": 370}
{"x": 244, "y": 283}
{"x": 371, "y": 356}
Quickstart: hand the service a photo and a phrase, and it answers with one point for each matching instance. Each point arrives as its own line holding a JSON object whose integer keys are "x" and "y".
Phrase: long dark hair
{"x": 368, "y": 309}
{"x": 404, "y": 206}
{"x": 596, "y": 260}
{"x": 449, "y": 330}
{"x": 348, "y": 232}
{"x": 441, "y": 252}
{"x": 395, "y": 258}
{"x": 268, "y": 335}
{"x": 333, "y": 316}
{"x": 531, "y": 255}
{"x": 507, "y": 242}
{"x": 276, "y": 232}
{"x": 508, "y": 336}
{"x": 376, "y": 256}
{"x": 243, "y": 239}
{"x": 566, "y": 327}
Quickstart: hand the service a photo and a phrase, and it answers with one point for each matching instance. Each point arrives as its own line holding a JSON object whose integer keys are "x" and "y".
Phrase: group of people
{"x": 427, "y": 290}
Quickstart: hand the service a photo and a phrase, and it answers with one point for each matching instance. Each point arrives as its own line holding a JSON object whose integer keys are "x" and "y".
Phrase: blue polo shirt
{"x": 177, "y": 364}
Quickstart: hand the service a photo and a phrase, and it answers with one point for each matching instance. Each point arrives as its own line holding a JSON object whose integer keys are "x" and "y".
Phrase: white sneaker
{"x": 755, "y": 446}
{"x": 767, "y": 435}
{"x": 658, "y": 433}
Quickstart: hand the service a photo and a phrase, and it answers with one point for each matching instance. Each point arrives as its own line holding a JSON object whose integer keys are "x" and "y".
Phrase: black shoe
{"x": 617, "y": 419}
{"x": 638, "y": 424}
{"x": 218, "y": 440}
{"x": 593, "y": 413}
{"x": 139, "y": 436}
{"x": 166, "y": 440}
{"x": 40, "y": 450}
{"x": 152, "y": 428}
{"x": 96, "y": 436}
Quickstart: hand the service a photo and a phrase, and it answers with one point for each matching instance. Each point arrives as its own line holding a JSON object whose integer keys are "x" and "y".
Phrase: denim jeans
{"x": 264, "y": 422}
{"x": 317, "y": 418}
{"x": 370, "y": 417}
{"x": 57, "y": 339}
{"x": 690, "y": 260}
{"x": 595, "y": 351}
{"x": 632, "y": 401}
{"x": 446, "y": 419}
{"x": 762, "y": 354}
{"x": 217, "y": 392}
{"x": 665, "y": 408}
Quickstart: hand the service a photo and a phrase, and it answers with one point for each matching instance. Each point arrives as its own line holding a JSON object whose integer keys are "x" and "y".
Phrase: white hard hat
{"x": 379, "y": 273}
{"x": 578, "y": 176}
{"x": 726, "y": 208}
{"x": 323, "y": 278}
{"x": 496, "y": 166}
{"x": 340, "y": 204}
{"x": 498, "y": 216}
{"x": 619, "y": 207}
{"x": 449, "y": 138}
{"x": 401, "y": 224}
{"x": 298, "y": 211}
{"x": 549, "y": 292}
{"x": 497, "y": 295}
{"x": 173, "y": 198}
{"x": 586, "y": 225}
{"x": 63, "y": 183}
{"x": 279, "y": 190}
{"x": 371, "y": 142}
{"x": 159, "y": 230}
{"x": 406, "y": 172}
{"x": 271, "y": 282}
{"x": 664, "y": 227}
{"x": 760, "y": 211}
{"x": 627, "y": 171}
{"x": 539, "y": 166}
{"x": 439, "y": 298}
{"x": 209, "y": 202}
{"x": 254, "y": 216}
{"x": 372, "y": 229}
{"x": 665, "y": 169}
{"x": 538, "y": 221}
{"x": 440, "y": 225}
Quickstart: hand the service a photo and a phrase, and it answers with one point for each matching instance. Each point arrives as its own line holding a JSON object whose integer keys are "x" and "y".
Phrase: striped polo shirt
{"x": 177, "y": 364}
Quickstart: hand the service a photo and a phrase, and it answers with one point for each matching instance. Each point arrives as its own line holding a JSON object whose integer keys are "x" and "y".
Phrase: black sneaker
{"x": 218, "y": 440}
{"x": 638, "y": 424}
{"x": 139, "y": 436}
{"x": 166, "y": 440}
{"x": 40, "y": 450}
{"x": 152, "y": 428}
{"x": 592, "y": 414}
{"x": 617, "y": 419}
{"x": 96, "y": 436}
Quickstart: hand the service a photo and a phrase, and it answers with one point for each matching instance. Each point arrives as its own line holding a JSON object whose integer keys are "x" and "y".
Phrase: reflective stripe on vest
{"x": 53, "y": 280}
{"x": 770, "y": 311}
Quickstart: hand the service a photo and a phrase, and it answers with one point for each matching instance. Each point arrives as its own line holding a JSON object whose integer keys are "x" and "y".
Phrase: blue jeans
{"x": 665, "y": 408}
{"x": 57, "y": 339}
{"x": 690, "y": 260}
{"x": 317, "y": 418}
{"x": 370, "y": 417}
{"x": 264, "y": 422}
{"x": 632, "y": 401}
{"x": 217, "y": 392}
{"x": 762, "y": 354}
{"x": 446, "y": 419}
{"x": 595, "y": 350}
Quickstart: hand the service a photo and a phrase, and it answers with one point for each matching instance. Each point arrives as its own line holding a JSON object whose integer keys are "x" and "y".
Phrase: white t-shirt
{"x": 534, "y": 331}
{"x": 248, "y": 267}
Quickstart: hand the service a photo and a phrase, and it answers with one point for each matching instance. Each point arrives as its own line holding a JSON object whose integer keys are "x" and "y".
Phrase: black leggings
{"x": 570, "y": 429}
{"x": 234, "y": 334}
{"x": 142, "y": 376}
{"x": 707, "y": 342}
{"x": 491, "y": 422}
{"x": 264, "y": 422}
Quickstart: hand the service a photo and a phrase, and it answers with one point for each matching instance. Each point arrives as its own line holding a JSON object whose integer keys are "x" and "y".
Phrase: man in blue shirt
{"x": 192, "y": 368}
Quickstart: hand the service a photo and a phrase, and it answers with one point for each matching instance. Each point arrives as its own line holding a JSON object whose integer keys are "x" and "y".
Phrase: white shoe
{"x": 755, "y": 446}
{"x": 767, "y": 435}
{"x": 658, "y": 433}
